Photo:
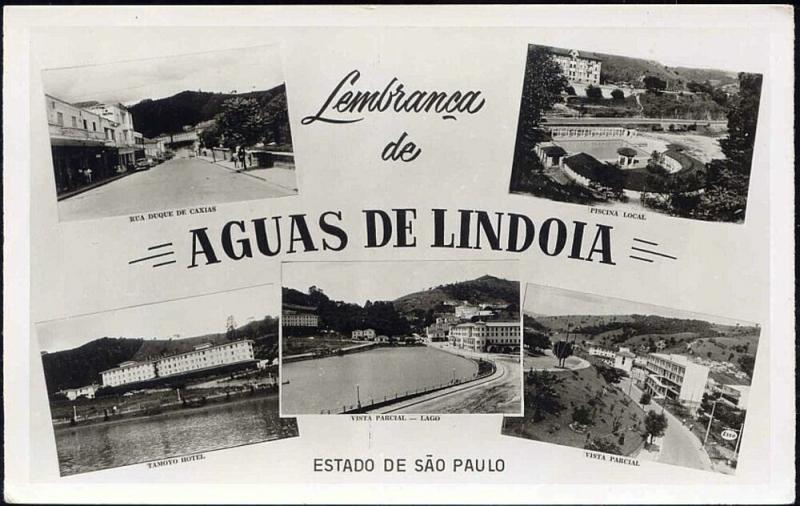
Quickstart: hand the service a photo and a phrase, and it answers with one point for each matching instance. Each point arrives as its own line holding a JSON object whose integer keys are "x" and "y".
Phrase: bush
{"x": 645, "y": 399}
{"x": 599, "y": 445}
{"x": 617, "y": 94}
{"x": 582, "y": 415}
{"x": 571, "y": 91}
{"x": 594, "y": 92}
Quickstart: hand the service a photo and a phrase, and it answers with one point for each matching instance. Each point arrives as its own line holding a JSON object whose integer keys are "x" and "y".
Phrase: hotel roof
{"x": 585, "y": 165}
{"x": 568, "y": 52}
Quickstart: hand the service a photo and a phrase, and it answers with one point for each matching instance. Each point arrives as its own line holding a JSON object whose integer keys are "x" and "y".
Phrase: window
{"x": 74, "y": 122}
{"x": 52, "y": 104}
{"x": 85, "y": 125}
{"x": 60, "y": 118}
{"x": 94, "y": 126}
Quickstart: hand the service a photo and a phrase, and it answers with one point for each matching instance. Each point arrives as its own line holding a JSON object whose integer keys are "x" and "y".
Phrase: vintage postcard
{"x": 163, "y": 380}
{"x": 630, "y": 134}
{"x": 169, "y": 132}
{"x": 421, "y": 337}
{"x": 635, "y": 380}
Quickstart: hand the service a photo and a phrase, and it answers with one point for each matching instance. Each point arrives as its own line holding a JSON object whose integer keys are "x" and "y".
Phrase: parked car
{"x": 143, "y": 164}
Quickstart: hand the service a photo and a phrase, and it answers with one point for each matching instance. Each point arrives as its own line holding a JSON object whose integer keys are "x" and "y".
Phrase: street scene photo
{"x": 401, "y": 337}
{"x": 634, "y": 380}
{"x": 635, "y": 135}
{"x": 169, "y": 132}
{"x": 164, "y": 380}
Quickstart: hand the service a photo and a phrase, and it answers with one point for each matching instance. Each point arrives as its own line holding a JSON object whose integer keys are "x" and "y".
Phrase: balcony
{"x": 71, "y": 136}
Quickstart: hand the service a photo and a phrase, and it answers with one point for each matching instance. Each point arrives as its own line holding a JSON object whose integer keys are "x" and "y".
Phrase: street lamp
{"x": 710, "y": 419}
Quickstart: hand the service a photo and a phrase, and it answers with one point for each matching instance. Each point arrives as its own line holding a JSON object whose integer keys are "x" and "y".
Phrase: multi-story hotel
{"x": 578, "y": 66}
{"x": 206, "y": 356}
{"x": 129, "y": 372}
{"x": 295, "y": 319}
{"x": 486, "y": 336}
{"x": 89, "y": 143}
{"x": 676, "y": 377}
{"x": 364, "y": 335}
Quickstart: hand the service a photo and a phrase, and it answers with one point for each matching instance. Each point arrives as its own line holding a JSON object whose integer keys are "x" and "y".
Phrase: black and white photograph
{"x": 163, "y": 380}
{"x": 635, "y": 380}
{"x": 169, "y": 132}
{"x": 636, "y": 135}
{"x": 406, "y": 337}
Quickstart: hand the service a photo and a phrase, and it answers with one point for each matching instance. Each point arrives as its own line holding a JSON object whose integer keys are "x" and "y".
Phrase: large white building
{"x": 85, "y": 391}
{"x": 206, "y": 356}
{"x": 578, "y": 66}
{"x": 292, "y": 318}
{"x": 486, "y": 336}
{"x": 676, "y": 377}
{"x": 129, "y": 372}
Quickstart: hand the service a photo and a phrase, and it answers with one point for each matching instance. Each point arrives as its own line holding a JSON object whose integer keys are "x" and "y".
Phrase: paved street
{"x": 499, "y": 393}
{"x": 174, "y": 184}
{"x": 679, "y": 446}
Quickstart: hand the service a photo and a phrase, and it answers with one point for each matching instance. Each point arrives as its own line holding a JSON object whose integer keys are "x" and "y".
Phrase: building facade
{"x": 578, "y": 66}
{"x": 85, "y": 391}
{"x": 292, "y": 318}
{"x": 676, "y": 377}
{"x": 466, "y": 311}
{"x": 364, "y": 335}
{"x": 206, "y": 356}
{"x": 129, "y": 372}
{"x": 87, "y": 143}
{"x": 486, "y": 336}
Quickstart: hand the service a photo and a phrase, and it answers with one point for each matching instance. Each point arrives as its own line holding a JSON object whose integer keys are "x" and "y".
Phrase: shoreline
{"x": 167, "y": 411}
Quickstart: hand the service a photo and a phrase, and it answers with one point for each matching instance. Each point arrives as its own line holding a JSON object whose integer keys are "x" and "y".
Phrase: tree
{"x": 582, "y": 415}
{"x": 747, "y": 364}
{"x": 536, "y": 341}
{"x": 601, "y": 445}
{"x": 644, "y": 400}
{"x": 242, "y": 122}
{"x": 210, "y": 136}
{"x": 611, "y": 374}
{"x": 594, "y": 93}
{"x": 562, "y": 350}
{"x": 617, "y": 94}
{"x": 541, "y": 89}
{"x": 725, "y": 196}
{"x": 541, "y": 394}
{"x": 655, "y": 425}
{"x": 654, "y": 84}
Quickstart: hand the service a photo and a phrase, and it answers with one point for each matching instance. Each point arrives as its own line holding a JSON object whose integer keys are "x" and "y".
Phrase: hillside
{"x": 615, "y": 419}
{"x": 82, "y": 366}
{"x": 617, "y": 69}
{"x": 485, "y": 289}
{"x": 171, "y": 114}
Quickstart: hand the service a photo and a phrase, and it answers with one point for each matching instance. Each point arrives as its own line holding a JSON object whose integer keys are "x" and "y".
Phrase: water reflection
{"x": 119, "y": 443}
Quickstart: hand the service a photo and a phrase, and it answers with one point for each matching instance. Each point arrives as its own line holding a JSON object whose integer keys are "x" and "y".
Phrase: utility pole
{"x": 738, "y": 442}
{"x": 358, "y": 395}
{"x": 710, "y": 419}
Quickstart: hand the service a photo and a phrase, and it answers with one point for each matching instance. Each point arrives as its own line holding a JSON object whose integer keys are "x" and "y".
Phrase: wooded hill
{"x": 82, "y": 365}
{"x": 405, "y": 314}
{"x": 485, "y": 289}
{"x": 171, "y": 114}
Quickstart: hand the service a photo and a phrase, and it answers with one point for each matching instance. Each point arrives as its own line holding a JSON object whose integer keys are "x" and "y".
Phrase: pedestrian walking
{"x": 242, "y": 157}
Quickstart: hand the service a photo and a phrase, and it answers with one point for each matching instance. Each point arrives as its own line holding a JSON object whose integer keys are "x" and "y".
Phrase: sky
{"x": 547, "y": 301}
{"x": 187, "y": 317}
{"x": 130, "y": 81}
{"x": 361, "y": 281}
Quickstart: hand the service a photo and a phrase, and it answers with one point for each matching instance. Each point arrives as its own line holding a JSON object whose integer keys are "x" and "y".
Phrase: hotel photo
{"x": 635, "y": 380}
{"x": 416, "y": 337}
{"x": 637, "y": 135}
{"x": 164, "y": 380}
{"x": 168, "y": 132}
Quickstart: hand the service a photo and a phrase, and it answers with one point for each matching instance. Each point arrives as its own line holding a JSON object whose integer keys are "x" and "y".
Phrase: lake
{"x": 213, "y": 427}
{"x": 315, "y": 386}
